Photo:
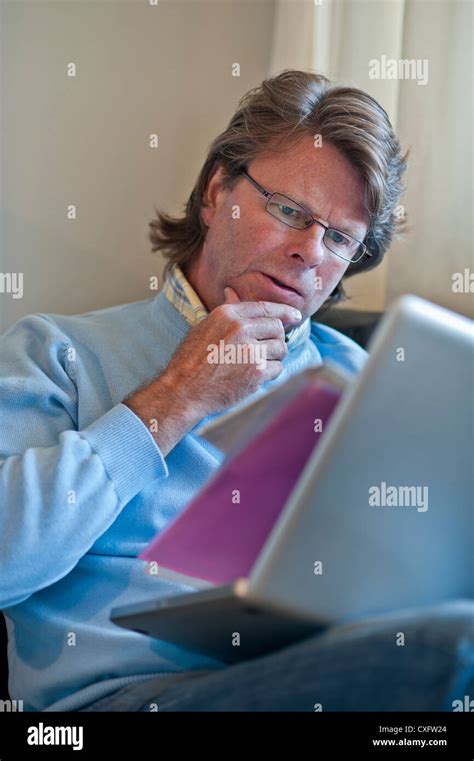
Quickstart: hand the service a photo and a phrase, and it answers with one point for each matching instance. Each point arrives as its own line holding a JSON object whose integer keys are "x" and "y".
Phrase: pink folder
{"x": 217, "y": 538}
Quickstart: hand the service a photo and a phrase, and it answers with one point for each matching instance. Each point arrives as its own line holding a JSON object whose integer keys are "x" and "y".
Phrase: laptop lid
{"x": 382, "y": 515}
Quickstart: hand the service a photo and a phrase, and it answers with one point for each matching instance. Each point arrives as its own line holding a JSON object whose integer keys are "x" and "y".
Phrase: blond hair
{"x": 287, "y": 107}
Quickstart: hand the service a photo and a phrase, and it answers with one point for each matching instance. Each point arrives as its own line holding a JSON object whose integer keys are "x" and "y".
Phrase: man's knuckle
{"x": 223, "y": 310}
{"x": 264, "y": 307}
{"x": 234, "y": 326}
{"x": 277, "y": 325}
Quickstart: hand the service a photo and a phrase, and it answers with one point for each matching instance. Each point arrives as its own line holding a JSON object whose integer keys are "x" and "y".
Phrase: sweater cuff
{"x": 127, "y": 449}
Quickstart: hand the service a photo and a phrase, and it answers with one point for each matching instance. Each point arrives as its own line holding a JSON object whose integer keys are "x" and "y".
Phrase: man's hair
{"x": 283, "y": 109}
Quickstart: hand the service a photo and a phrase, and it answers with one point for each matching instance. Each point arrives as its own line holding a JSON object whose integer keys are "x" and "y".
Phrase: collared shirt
{"x": 180, "y": 293}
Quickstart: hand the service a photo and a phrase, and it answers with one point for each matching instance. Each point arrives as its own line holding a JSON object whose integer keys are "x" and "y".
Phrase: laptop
{"x": 380, "y": 518}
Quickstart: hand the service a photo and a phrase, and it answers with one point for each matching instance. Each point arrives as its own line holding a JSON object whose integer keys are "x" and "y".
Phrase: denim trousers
{"x": 413, "y": 660}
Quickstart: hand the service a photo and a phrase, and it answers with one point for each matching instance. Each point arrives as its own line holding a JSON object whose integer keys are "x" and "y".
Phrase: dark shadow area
{"x": 354, "y": 323}
{"x": 3, "y": 660}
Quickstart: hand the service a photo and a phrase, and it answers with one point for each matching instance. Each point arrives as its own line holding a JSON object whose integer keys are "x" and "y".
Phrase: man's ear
{"x": 212, "y": 194}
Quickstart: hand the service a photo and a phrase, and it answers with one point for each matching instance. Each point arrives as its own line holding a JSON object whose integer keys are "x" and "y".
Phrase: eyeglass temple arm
{"x": 264, "y": 192}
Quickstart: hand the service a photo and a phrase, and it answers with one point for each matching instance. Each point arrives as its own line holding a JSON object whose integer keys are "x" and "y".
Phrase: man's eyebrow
{"x": 351, "y": 228}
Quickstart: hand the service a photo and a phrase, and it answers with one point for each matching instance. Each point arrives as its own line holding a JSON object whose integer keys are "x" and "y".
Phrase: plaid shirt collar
{"x": 180, "y": 293}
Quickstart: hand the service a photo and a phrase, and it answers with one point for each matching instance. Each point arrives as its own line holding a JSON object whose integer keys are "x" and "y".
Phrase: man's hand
{"x": 214, "y": 387}
{"x": 191, "y": 387}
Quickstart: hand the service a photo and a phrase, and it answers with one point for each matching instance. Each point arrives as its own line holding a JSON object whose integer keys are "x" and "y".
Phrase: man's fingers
{"x": 231, "y": 296}
{"x": 285, "y": 313}
{"x": 267, "y": 327}
{"x": 272, "y": 370}
{"x": 269, "y": 309}
{"x": 274, "y": 348}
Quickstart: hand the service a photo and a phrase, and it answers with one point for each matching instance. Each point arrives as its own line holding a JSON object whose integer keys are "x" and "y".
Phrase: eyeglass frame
{"x": 268, "y": 195}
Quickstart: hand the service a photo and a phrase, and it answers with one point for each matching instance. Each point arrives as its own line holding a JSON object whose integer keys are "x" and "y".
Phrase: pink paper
{"x": 217, "y": 539}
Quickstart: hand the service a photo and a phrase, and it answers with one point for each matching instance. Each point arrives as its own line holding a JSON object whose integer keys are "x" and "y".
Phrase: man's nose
{"x": 308, "y": 245}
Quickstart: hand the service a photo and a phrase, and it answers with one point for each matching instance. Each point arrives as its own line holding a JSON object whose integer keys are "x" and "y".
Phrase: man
{"x": 99, "y": 410}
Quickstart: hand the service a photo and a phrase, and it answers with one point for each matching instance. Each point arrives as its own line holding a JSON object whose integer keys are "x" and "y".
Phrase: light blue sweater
{"x": 84, "y": 488}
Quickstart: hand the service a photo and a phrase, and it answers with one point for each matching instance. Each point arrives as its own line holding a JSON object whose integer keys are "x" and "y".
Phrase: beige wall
{"x": 84, "y": 140}
{"x": 166, "y": 69}
{"x": 436, "y": 122}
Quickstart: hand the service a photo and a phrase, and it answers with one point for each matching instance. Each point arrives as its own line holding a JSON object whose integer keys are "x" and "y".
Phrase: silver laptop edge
{"x": 293, "y": 567}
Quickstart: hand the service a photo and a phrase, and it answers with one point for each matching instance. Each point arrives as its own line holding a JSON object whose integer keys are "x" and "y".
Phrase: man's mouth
{"x": 283, "y": 285}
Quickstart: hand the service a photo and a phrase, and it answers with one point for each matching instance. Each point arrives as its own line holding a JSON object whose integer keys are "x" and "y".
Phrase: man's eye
{"x": 336, "y": 237}
{"x": 287, "y": 210}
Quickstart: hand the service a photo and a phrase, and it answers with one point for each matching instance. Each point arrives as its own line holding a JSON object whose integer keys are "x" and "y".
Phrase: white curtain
{"x": 338, "y": 38}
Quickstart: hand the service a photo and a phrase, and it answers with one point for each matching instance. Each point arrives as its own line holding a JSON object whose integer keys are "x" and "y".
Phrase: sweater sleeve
{"x": 60, "y": 488}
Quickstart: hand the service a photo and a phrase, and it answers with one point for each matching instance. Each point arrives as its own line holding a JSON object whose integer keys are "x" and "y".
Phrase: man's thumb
{"x": 231, "y": 296}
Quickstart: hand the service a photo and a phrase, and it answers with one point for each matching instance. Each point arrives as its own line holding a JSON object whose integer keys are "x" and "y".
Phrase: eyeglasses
{"x": 292, "y": 214}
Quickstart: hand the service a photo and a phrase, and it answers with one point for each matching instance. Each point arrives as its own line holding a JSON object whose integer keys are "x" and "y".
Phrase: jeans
{"x": 414, "y": 660}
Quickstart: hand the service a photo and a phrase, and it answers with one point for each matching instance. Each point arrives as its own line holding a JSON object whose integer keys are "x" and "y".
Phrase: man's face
{"x": 245, "y": 245}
